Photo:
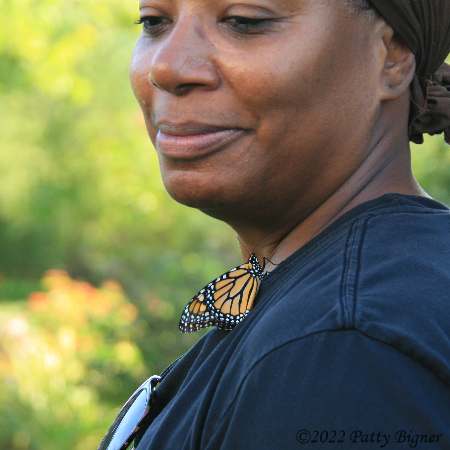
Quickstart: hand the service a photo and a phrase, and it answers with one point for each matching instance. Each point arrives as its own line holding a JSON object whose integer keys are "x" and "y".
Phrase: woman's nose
{"x": 182, "y": 60}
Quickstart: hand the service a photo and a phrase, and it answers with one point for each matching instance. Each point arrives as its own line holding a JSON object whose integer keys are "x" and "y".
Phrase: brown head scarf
{"x": 424, "y": 26}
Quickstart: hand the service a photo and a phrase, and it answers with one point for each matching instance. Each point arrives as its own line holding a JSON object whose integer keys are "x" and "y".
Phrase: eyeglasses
{"x": 124, "y": 429}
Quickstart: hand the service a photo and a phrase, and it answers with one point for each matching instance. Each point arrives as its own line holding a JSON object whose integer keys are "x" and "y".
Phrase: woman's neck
{"x": 381, "y": 172}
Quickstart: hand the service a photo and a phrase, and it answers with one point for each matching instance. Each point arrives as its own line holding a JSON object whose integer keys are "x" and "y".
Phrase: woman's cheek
{"x": 139, "y": 69}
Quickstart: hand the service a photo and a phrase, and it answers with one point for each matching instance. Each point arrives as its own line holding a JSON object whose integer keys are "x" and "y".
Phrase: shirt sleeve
{"x": 336, "y": 390}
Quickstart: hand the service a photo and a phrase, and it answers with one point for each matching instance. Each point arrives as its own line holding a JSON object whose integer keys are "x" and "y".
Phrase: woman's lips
{"x": 195, "y": 145}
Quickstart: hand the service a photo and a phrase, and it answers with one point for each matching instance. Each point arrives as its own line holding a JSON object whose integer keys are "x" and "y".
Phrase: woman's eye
{"x": 248, "y": 25}
{"x": 152, "y": 25}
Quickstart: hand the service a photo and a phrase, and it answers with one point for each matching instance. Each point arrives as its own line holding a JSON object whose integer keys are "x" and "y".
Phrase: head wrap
{"x": 424, "y": 26}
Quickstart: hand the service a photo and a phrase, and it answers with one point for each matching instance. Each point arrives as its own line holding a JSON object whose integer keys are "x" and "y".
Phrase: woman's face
{"x": 288, "y": 79}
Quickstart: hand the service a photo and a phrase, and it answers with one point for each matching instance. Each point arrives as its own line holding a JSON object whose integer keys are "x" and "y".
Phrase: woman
{"x": 290, "y": 120}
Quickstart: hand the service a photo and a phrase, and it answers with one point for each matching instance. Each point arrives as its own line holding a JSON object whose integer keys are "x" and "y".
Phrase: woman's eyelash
{"x": 248, "y": 25}
{"x": 243, "y": 25}
{"x": 150, "y": 23}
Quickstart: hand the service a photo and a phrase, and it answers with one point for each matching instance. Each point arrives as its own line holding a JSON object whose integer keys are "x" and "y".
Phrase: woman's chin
{"x": 196, "y": 190}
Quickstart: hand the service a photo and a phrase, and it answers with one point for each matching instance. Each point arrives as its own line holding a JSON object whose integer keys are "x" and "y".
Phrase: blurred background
{"x": 96, "y": 261}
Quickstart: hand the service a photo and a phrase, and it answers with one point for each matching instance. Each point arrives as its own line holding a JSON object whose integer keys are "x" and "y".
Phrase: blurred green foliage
{"x": 65, "y": 359}
{"x": 81, "y": 188}
{"x": 81, "y": 193}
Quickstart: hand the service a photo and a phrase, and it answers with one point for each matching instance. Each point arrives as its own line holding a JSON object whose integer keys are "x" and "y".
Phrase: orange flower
{"x": 38, "y": 301}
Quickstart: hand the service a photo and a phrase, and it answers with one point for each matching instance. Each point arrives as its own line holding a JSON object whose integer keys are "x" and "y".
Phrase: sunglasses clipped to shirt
{"x": 131, "y": 416}
{"x": 134, "y": 414}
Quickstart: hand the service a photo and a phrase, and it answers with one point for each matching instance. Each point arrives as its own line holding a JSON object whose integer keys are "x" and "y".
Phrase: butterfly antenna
{"x": 250, "y": 252}
{"x": 271, "y": 262}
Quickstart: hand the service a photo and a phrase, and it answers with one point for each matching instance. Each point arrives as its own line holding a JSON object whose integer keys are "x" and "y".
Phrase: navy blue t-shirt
{"x": 347, "y": 346}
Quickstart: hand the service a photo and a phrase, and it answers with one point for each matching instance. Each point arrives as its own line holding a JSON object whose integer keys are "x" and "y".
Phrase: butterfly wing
{"x": 231, "y": 296}
{"x": 225, "y": 301}
{"x": 196, "y": 314}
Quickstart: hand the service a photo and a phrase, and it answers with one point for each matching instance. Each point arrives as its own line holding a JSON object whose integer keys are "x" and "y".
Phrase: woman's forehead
{"x": 211, "y": 4}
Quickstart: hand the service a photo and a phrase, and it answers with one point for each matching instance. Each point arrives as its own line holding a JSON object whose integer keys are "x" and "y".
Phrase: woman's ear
{"x": 399, "y": 66}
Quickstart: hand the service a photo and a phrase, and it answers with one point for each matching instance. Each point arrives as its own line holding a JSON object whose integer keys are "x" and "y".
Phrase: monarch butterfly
{"x": 225, "y": 301}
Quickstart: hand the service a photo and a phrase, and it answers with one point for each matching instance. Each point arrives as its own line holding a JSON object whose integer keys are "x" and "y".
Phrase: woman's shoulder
{"x": 403, "y": 272}
{"x": 404, "y": 258}
{"x": 402, "y": 291}
{"x": 388, "y": 278}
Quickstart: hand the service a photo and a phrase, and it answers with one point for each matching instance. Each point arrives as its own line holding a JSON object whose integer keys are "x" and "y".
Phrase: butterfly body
{"x": 225, "y": 301}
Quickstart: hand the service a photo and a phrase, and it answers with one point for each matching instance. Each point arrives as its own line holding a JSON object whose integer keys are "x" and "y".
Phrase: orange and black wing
{"x": 196, "y": 314}
{"x": 230, "y": 297}
{"x": 225, "y": 301}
